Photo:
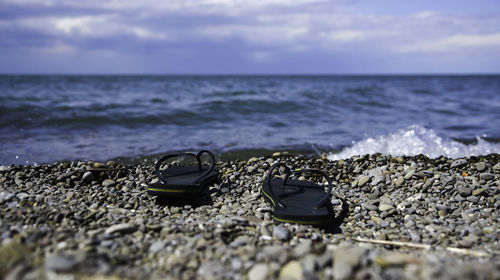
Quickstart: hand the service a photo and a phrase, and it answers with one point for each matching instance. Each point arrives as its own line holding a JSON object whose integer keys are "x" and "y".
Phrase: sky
{"x": 249, "y": 37}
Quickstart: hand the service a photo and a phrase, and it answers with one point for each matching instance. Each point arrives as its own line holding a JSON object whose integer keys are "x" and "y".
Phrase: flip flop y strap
{"x": 198, "y": 158}
{"x": 288, "y": 172}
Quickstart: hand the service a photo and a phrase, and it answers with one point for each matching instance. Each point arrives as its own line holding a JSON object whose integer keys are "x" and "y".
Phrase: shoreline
{"x": 408, "y": 217}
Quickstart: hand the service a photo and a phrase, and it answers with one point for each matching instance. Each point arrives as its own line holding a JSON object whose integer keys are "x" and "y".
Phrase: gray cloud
{"x": 213, "y": 36}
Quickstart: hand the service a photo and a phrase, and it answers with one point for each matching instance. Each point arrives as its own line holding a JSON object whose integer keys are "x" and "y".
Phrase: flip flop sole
{"x": 162, "y": 190}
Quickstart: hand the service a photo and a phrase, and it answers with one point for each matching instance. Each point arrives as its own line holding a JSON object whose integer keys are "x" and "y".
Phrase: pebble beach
{"x": 407, "y": 217}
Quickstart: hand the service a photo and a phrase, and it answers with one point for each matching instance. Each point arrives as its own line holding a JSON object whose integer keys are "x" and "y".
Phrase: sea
{"x": 54, "y": 118}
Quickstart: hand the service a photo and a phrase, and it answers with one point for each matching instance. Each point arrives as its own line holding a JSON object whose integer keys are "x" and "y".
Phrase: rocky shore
{"x": 397, "y": 218}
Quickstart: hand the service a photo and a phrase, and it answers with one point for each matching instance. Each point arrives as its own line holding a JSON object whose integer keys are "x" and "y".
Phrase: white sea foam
{"x": 416, "y": 140}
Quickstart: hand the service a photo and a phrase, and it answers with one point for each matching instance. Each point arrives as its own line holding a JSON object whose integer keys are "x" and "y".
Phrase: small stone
{"x": 121, "y": 228}
{"x": 292, "y": 270}
{"x": 253, "y": 159}
{"x": 472, "y": 199}
{"x": 385, "y": 207}
{"x": 258, "y": 272}
{"x": 375, "y": 219}
{"x": 464, "y": 191}
{"x": 236, "y": 264}
{"x": 345, "y": 260}
{"x": 303, "y": 248}
{"x": 60, "y": 263}
{"x": 487, "y": 176}
{"x": 399, "y": 160}
{"x": 477, "y": 192}
{"x": 281, "y": 233}
{"x": 88, "y": 177}
{"x": 496, "y": 167}
{"x": 363, "y": 180}
{"x": 481, "y": 166}
{"x": 5, "y": 196}
{"x": 369, "y": 206}
{"x": 458, "y": 163}
{"x": 108, "y": 183}
{"x": 157, "y": 246}
{"x": 211, "y": 269}
{"x": 465, "y": 243}
{"x": 277, "y": 154}
{"x": 4, "y": 168}
{"x": 409, "y": 174}
{"x": 399, "y": 181}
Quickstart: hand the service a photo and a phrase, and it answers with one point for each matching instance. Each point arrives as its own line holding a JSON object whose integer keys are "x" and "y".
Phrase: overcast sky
{"x": 244, "y": 36}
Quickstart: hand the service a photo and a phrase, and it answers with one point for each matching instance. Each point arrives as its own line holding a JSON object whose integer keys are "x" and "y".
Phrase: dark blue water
{"x": 54, "y": 118}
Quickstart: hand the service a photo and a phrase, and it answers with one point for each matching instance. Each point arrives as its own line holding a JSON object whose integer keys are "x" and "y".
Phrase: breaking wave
{"x": 415, "y": 140}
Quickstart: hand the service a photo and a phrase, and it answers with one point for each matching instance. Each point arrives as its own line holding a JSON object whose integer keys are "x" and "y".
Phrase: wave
{"x": 415, "y": 140}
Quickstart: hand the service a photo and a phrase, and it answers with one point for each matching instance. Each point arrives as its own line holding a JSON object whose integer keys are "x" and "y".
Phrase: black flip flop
{"x": 300, "y": 202}
{"x": 184, "y": 180}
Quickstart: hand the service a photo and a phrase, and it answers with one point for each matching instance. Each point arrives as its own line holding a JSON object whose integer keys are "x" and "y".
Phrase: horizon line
{"x": 259, "y": 74}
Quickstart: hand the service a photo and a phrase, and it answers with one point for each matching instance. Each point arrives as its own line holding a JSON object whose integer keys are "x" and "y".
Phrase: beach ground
{"x": 396, "y": 218}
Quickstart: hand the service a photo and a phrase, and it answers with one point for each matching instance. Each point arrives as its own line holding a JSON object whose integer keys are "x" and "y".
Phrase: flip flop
{"x": 184, "y": 180}
{"x": 300, "y": 202}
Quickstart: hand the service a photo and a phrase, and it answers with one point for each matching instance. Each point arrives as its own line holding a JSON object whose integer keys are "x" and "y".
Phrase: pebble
{"x": 303, "y": 248}
{"x": 50, "y": 211}
{"x": 211, "y": 269}
{"x": 281, "y": 233}
{"x": 385, "y": 207}
{"x": 464, "y": 191}
{"x": 487, "y": 176}
{"x": 399, "y": 181}
{"x": 363, "y": 180}
{"x": 458, "y": 163}
{"x": 292, "y": 270}
{"x": 345, "y": 260}
{"x": 88, "y": 177}
{"x": 157, "y": 246}
{"x": 481, "y": 166}
{"x": 60, "y": 263}
{"x": 108, "y": 183}
{"x": 121, "y": 228}
{"x": 258, "y": 272}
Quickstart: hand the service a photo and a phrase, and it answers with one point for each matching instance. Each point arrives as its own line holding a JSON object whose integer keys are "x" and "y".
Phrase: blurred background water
{"x": 54, "y": 118}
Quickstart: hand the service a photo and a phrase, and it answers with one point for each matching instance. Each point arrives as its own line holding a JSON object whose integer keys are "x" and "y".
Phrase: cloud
{"x": 454, "y": 43}
{"x": 246, "y": 32}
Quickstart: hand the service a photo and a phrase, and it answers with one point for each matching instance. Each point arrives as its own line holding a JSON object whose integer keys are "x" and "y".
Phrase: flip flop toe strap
{"x": 198, "y": 158}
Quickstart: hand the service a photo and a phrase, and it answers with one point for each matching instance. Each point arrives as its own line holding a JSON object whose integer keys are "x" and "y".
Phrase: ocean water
{"x": 54, "y": 118}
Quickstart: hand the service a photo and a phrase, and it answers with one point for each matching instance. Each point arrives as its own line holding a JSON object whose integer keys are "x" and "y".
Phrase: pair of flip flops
{"x": 294, "y": 201}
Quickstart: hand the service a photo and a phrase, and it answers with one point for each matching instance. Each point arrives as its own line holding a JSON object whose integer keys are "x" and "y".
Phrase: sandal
{"x": 300, "y": 202}
{"x": 184, "y": 180}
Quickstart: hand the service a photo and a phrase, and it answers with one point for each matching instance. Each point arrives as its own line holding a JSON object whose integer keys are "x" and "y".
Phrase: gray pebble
{"x": 302, "y": 248}
{"x": 487, "y": 176}
{"x": 258, "y": 272}
{"x": 281, "y": 233}
{"x": 108, "y": 183}
{"x": 363, "y": 180}
{"x": 473, "y": 199}
{"x": 121, "y": 228}
{"x": 60, "y": 263}
{"x": 458, "y": 163}
{"x": 481, "y": 166}
{"x": 88, "y": 177}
